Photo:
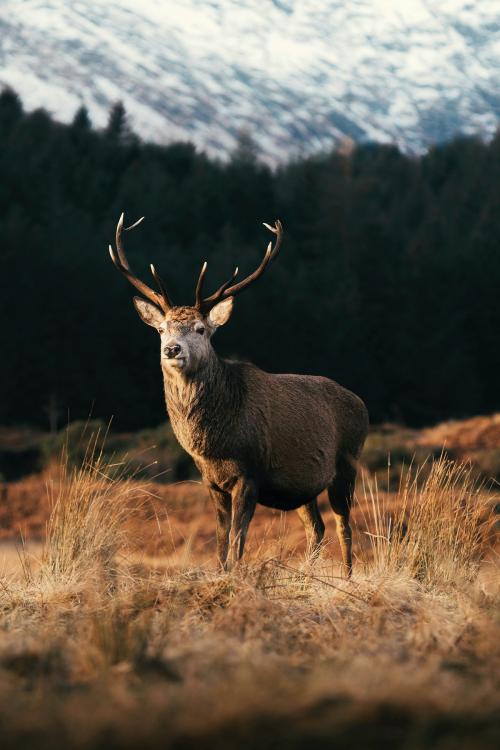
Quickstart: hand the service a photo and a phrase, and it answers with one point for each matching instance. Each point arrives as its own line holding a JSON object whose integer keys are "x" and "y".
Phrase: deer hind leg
{"x": 315, "y": 528}
{"x": 340, "y": 494}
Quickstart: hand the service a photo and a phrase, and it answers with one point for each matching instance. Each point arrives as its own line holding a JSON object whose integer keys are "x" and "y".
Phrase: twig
{"x": 279, "y": 564}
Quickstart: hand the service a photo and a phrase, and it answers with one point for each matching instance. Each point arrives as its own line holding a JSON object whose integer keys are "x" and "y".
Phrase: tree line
{"x": 388, "y": 280}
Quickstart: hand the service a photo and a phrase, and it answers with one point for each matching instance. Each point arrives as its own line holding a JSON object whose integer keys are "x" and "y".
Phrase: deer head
{"x": 186, "y": 331}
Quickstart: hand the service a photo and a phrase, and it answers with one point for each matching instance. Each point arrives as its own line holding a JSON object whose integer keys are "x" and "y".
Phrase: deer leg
{"x": 222, "y": 505}
{"x": 244, "y": 500}
{"x": 315, "y": 528}
{"x": 340, "y": 494}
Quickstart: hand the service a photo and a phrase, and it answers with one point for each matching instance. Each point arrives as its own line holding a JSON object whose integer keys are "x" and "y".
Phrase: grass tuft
{"x": 438, "y": 529}
{"x": 90, "y": 504}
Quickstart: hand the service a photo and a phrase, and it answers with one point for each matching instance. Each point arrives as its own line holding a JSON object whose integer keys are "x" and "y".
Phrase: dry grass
{"x": 439, "y": 532}
{"x": 97, "y": 650}
{"x": 89, "y": 506}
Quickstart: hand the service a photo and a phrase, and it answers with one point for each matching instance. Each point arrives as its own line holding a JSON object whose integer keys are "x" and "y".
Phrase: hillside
{"x": 300, "y": 76}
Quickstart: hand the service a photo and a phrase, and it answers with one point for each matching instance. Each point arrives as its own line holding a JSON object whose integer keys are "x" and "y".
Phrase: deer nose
{"x": 171, "y": 352}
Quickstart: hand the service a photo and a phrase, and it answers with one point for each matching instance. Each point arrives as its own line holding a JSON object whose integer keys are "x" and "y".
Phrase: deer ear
{"x": 149, "y": 314}
{"x": 221, "y": 313}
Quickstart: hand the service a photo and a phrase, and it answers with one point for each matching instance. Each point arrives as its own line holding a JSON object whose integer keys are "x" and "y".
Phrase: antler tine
{"x": 119, "y": 244}
{"x": 206, "y": 304}
{"x": 121, "y": 264}
{"x": 161, "y": 284}
{"x": 278, "y": 231}
{"x": 220, "y": 291}
{"x": 199, "y": 286}
{"x": 230, "y": 291}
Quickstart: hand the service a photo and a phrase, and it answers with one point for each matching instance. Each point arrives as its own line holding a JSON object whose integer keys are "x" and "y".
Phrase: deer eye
{"x": 200, "y": 329}
{"x": 161, "y": 330}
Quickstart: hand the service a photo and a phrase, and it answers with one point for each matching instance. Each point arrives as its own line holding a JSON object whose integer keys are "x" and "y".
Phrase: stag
{"x": 255, "y": 437}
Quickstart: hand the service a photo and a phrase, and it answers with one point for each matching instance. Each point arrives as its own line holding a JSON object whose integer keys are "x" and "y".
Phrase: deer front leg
{"x": 222, "y": 505}
{"x": 244, "y": 500}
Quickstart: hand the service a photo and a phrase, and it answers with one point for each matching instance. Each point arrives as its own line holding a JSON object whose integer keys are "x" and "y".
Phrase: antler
{"x": 226, "y": 290}
{"x": 120, "y": 262}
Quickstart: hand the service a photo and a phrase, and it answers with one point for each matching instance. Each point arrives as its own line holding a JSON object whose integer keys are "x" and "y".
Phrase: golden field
{"x": 118, "y": 630}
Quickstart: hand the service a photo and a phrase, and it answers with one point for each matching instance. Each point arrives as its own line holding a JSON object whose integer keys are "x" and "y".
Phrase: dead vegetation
{"x": 390, "y": 447}
{"x": 102, "y": 646}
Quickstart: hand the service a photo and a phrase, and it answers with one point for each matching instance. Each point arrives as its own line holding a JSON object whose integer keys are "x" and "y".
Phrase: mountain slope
{"x": 299, "y": 74}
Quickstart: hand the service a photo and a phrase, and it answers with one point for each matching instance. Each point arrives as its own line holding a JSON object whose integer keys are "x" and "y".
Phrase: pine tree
{"x": 118, "y": 129}
{"x": 11, "y": 110}
{"x": 81, "y": 120}
{"x": 246, "y": 150}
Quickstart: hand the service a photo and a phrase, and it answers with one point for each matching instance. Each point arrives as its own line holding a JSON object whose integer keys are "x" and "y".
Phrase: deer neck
{"x": 202, "y": 405}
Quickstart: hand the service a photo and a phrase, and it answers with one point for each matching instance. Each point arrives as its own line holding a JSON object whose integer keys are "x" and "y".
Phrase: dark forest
{"x": 388, "y": 280}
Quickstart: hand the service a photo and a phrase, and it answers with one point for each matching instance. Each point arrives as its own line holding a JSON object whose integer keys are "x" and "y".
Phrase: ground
{"x": 118, "y": 630}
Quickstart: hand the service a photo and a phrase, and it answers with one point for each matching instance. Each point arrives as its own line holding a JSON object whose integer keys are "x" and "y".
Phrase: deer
{"x": 277, "y": 440}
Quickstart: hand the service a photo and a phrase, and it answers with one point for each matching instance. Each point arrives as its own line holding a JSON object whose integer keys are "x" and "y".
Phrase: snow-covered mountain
{"x": 298, "y": 74}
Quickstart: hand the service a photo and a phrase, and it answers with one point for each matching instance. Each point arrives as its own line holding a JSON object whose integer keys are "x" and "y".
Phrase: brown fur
{"x": 184, "y": 315}
{"x": 277, "y": 440}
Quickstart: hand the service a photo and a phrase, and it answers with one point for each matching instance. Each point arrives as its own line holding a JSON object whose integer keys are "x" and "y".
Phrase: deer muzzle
{"x": 172, "y": 351}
